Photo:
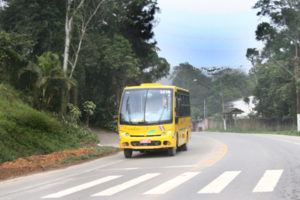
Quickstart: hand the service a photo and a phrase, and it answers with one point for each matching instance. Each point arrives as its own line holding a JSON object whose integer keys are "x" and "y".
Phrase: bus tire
{"x": 128, "y": 153}
{"x": 172, "y": 151}
{"x": 185, "y": 146}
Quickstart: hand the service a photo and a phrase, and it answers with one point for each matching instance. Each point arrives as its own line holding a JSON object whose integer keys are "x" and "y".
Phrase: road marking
{"x": 269, "y": 181}
{"x": 80, "y": 187}
{"x": 179, "y": 166}
{"x": 214, "y": 156}
{"x": 171, "y": 184}
{"x": 220, "y": 183}
{"x": 126, "y": 185}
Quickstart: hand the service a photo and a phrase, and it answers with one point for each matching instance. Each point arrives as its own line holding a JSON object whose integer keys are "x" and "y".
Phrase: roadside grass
{"x": 99, "y": 152}
{"x": 25, "y": 131}
{"x": 236, "y": 130}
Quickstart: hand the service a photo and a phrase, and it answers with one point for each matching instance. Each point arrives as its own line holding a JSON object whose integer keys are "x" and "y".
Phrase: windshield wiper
{"x": 162, "y": 112}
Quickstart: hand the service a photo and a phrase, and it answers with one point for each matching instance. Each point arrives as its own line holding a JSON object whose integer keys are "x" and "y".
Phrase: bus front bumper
{"x": 140, "y": 143}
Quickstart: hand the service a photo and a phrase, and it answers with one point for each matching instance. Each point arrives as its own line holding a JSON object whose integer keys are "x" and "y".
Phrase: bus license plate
{"x": 145, "y": 141}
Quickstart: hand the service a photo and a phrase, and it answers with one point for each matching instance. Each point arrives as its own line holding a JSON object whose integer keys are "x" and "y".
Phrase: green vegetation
{"x": 107, "y": 45}
{"x": 25, "y": 131}
{"x": 99, "y": 151}
{"x": 276, "y": 66}
{"x": 211, "y": 86}
{"x": 77, "y": 74}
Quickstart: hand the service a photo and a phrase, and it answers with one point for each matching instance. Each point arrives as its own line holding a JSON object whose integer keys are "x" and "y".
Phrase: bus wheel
{"x": 172, "y": 151}
{"x": 184, "y": 147}
{"x": 127, "y": 153}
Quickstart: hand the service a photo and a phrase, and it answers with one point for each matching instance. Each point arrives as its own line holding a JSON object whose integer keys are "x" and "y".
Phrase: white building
{"x": 247, "y": 108}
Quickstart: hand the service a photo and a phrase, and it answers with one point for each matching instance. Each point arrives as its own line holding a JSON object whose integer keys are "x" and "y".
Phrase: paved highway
{"x": 216, "y": 166}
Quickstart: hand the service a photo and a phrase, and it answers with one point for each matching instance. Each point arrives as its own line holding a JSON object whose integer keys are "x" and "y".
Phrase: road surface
{"x": 216, "y": 166}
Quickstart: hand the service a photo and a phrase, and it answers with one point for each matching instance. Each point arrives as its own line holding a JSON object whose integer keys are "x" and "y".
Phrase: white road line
{"x": 279, "y": 139}
{"x": 123, "y": 186}
{"x": 178, "y": 166}
{"x": 220, "y": 183}
{"x": 268, "y": 182}
{"x": 171, "y": 184}
{"x": 80, "y": 187}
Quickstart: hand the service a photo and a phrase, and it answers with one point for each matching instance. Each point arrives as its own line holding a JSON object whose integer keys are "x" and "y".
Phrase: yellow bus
{"x": 154, "y": 116}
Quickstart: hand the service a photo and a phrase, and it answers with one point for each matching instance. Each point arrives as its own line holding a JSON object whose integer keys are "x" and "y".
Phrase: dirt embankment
{"x": 37, "y": 163}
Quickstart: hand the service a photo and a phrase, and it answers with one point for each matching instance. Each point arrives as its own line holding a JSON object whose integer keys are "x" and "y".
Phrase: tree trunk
{"x": 68, "y": 29}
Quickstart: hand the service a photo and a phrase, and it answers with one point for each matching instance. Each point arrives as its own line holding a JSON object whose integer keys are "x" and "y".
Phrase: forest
{"x": 64, "y": 53}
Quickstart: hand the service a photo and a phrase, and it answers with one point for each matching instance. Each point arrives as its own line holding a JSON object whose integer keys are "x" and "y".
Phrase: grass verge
{"x": 25, "y": 131}
{"x": 98, "y": 152}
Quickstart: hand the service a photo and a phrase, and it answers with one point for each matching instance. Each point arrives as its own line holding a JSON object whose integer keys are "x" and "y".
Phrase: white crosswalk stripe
{"x": 220, "y": 183}
{"x": 266, "y": 183}
{"x": 80, "y": 187}
{"x": 126, "y": 185}
{"x": 171, "y": 184}
{"x": 269, "y": 181}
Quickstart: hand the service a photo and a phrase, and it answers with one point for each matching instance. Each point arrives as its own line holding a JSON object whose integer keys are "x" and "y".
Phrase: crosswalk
{"x": 219, "y": 183}
{"x": 266, "y": 184}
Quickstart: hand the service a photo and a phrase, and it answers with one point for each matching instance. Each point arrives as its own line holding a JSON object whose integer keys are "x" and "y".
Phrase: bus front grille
{"x": 153, "y": 143}
{"x": 145, "y": 135}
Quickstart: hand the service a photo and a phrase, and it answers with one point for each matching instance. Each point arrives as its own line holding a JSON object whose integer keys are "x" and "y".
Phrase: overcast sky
{"x": 206, "y": 32}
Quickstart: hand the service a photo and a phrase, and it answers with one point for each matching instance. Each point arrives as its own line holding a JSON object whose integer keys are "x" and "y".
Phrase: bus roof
{"x": 154, "y": 85}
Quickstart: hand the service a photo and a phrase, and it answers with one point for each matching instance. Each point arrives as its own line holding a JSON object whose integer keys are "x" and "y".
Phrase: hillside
{"x": 25, "y": 131}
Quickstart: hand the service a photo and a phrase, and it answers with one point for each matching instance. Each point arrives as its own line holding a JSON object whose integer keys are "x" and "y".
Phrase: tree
{"x": 215, "y": 88}
{"x": 14, "y": 55}
{"x": 109, "y": 44}
{"x": 41, "y": 21}
{"x": 199, "y": 85}
{"x": 279, "y": 58}
{"x": 135, "y": 20}
{"x": 85, "y": 10}
{"x": 109, "y": 60}
{"x": 49, "y": 78}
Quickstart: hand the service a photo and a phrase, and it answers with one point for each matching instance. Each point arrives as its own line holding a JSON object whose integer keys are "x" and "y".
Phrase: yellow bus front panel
{"x": 147, "y": 137}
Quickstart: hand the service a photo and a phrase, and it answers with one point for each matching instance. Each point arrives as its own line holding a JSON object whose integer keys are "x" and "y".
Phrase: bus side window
{"x": 177, "y": 108}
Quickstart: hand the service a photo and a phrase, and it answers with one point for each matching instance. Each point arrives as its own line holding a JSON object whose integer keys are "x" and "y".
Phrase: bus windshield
{"x": 146, "y": 106}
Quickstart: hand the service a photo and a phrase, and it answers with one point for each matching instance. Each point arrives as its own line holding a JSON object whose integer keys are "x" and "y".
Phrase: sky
{"x": 206, "y": 33}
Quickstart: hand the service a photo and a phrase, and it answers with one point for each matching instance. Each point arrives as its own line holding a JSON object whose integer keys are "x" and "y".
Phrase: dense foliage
{"x": 109, "y": 48}
{"x": 276, "y": 67}
{"x": 214, "y": 87}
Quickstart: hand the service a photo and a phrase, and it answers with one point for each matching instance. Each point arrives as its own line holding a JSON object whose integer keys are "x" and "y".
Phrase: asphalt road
{"x": 216, "y": 166}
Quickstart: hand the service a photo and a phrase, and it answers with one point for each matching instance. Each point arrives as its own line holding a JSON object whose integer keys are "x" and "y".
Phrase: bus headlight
{"x": 124, "y": 134}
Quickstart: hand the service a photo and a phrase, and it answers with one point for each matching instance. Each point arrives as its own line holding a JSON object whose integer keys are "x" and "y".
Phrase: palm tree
{"x": 50, "y": 79}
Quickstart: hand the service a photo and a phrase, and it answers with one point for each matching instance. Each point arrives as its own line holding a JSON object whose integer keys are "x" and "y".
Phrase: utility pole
{"x": 297, "y": 86}
{"x": 204, "y": 109}
{"x": 223, "y": 109}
